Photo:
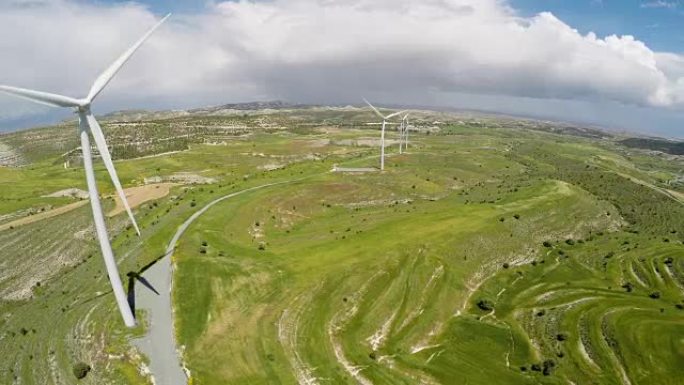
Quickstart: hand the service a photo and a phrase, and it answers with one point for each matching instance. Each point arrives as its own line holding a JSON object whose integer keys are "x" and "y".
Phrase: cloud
{"x": 328, "y": 51}
{"x": 660, "y": 4}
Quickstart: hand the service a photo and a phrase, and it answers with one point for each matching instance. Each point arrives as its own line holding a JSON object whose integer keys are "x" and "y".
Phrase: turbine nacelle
{"x": 377, "y": 112}
{"x": 82, "y": 108}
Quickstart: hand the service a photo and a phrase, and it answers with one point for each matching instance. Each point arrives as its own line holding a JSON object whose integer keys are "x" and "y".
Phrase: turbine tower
{"x": 401, "y": 137}
{"x": 403, "y": 134}
{"x": 384, "y": 123}
{"x": 405, "y": 123}
{"x": 87, "y": 123}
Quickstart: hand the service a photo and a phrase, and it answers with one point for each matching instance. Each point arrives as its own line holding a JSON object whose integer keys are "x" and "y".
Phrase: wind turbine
{"x": 384, "y": 123}
{"x": 405, "y": 123}
{"x": 403, "y": 134}
{"x": 87, "y": 123}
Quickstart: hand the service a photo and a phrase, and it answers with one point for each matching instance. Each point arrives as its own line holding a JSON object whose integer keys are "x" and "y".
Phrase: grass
{"x": 376, "y": 278}
{"x": 367, "y": 278}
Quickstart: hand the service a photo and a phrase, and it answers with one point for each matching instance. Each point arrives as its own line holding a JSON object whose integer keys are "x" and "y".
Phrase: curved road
{"x": 159, "y": 343}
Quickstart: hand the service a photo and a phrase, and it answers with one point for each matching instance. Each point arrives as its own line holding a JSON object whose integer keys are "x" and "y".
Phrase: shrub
{"x": 516, "y": 216}
{"x": 561, "y": 337}
{"x": 506, "y": 265}
{"x": 203, "y": 250}
{"x": 547, "y": 244}
{"x": 628, "y": 287}
{"x": 549, "y": 365}
{"x": 536, "y": 367}
{"x": 570, "y": 242}
{"x": 485, "y": 305}
{"x": 655, "y": 295}
{"x": 81, "y": 370}
{"x": 193, "y": 204}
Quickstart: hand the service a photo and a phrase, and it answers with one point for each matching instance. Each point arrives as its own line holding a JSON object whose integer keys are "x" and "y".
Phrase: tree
{"x": 81, "y": 370}
{"x": 485, "y": 305}
{"x": 549, "y": 365}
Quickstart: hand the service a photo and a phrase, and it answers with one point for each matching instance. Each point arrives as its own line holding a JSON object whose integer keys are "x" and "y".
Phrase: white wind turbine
{"x": 405, "y": 124}
{"x": 403, "y": 134}
{"x": 384, "y": 123}
{"x": 87, "y": 123}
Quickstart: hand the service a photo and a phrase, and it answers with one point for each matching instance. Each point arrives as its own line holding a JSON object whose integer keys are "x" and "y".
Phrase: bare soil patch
{"x": 141, "y": 194}
{"x": 43, "y": 215}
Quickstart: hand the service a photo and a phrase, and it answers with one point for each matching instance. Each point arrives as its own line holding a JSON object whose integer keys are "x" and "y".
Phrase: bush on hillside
{"x": 81, "y": 370}
{"x": 485, "y": 305}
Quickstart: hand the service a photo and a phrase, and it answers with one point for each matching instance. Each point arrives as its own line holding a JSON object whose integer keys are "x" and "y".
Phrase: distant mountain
{"x": 249, "y": 106}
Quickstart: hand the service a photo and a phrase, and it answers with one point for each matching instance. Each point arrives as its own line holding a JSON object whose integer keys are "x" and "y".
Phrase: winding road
{"x": 159, "y": 343}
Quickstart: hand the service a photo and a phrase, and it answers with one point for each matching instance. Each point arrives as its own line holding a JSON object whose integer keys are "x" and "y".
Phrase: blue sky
{"x": 660, "y": 24}
{"x": 175, "y": 6}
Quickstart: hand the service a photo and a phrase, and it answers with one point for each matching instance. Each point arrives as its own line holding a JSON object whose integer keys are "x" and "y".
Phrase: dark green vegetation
{"x": 667, "y": 146}
{"x": 493, "y": 252}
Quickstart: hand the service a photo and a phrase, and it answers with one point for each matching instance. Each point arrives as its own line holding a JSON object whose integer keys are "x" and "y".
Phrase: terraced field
{"x": 486, "y": 253}
{"x": 437, "y": 272}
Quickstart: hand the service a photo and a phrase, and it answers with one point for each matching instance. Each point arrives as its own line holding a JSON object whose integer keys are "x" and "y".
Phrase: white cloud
{"x": 660, "y": 4}
{"x": 327, "y": 51}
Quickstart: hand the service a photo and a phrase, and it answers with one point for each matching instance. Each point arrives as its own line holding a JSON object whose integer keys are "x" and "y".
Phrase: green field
{"x": 489, "y": 253}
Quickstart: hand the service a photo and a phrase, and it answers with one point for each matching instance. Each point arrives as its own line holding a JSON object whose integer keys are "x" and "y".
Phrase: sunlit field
{"x": 491, "y": 249}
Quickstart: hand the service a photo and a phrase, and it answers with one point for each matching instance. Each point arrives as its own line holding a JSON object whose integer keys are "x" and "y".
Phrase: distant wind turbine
{"x": 384, "y": 123}
{"x": 403, "y": 134}
{"x": 87, "y": 123}
{"x": 401, "y": 137}
{"x": 405, "y": 122}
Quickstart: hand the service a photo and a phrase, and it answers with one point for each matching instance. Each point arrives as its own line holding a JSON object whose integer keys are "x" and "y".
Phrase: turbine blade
{"x": 395, "y": 114}
{"x": 45, "y": 98}
{"x": 101, "y": 144}
{"x": 104, "y": 79}
{"x": 374, "y": 109}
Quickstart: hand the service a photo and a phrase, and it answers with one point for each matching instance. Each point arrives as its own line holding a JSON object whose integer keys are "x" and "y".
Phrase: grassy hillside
{"x": 493, "y": 250}
{"x": 482, "y": 254}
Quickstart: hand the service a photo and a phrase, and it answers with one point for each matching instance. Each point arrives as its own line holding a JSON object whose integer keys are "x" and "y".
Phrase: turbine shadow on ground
{"x": 132, "y": 278}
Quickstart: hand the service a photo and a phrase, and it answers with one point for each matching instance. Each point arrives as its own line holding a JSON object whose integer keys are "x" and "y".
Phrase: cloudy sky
{"x": 617, "y": 63}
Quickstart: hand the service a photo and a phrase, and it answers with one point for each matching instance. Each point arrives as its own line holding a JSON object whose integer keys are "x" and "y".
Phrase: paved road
{"x": 159, "y": 344}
